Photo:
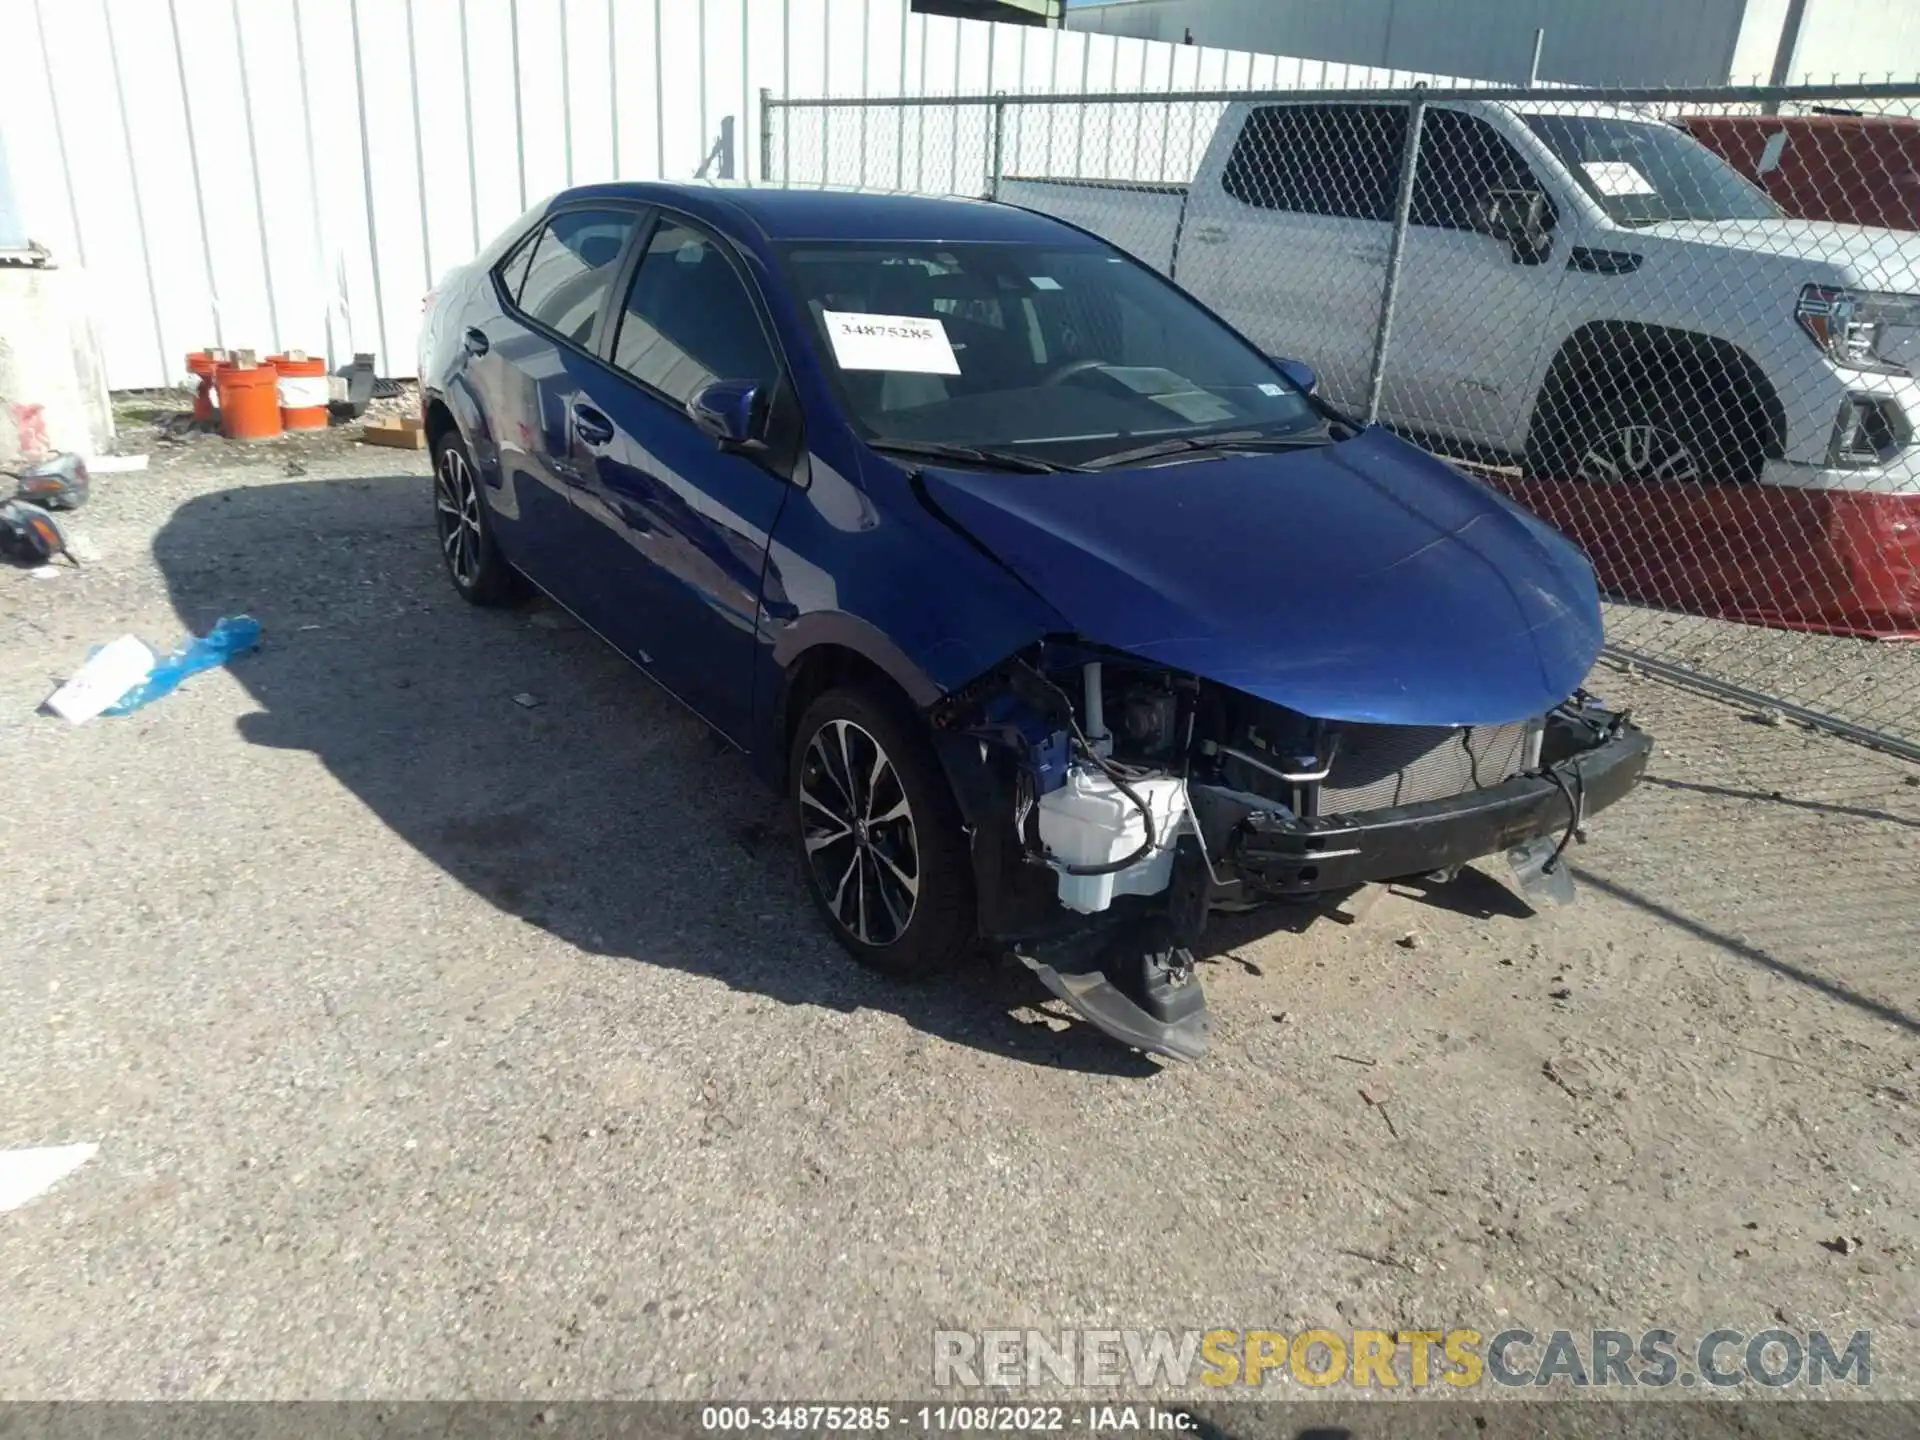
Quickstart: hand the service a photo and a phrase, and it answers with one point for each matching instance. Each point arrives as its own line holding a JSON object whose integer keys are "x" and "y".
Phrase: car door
{"x": 1472, "y": 310}
{"x": 1290, "y": 246}
{"x": 531, "y": 359}
{"x": 682, "y": 525}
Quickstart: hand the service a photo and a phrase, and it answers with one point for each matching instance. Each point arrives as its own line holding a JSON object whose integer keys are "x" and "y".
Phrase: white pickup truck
{"x": 1584, "y": 289}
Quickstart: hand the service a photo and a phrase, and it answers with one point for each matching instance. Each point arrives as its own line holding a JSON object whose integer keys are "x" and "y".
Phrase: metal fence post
{"x": 1402, "y": 207}
{"x": 999, "y": 145}
{"x": 766, "y": 134}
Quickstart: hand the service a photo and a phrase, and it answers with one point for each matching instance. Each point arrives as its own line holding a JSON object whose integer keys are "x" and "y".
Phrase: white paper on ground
{"x": 27, "y": 1173}
{"x": 113, "y": 670}
{"x": 1617, "y": 177}
{"x": 912, "y": 343}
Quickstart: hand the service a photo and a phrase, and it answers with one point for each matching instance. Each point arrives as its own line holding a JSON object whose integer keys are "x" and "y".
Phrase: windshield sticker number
{"x": 1268, "y": 388}
{"x": 1044, "y": 282}
{"x": 1617, "y": 177}
{"x": 916, "y": 344}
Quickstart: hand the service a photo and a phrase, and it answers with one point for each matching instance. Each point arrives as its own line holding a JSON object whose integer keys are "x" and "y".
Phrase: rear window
{"x": 571, "y": 269}
{"x": 1319, "y": 159}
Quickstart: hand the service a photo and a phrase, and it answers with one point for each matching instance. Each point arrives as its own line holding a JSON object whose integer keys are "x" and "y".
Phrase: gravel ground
{"x": 440, "y": 1046}
{"x": 1871, "y": 683}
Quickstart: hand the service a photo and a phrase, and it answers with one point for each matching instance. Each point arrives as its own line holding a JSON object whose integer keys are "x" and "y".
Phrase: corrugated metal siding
{"x": 297, "y": 173}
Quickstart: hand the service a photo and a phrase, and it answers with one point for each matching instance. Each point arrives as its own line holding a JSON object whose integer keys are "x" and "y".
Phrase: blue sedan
{"x": 1060, "y": 614}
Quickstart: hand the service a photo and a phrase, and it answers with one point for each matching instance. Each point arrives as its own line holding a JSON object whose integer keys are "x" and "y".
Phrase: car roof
{"x": 847, "y": 214}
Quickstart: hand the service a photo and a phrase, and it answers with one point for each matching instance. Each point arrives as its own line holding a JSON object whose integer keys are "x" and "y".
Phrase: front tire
{"x": 465, "y": 530}
{"x": 1650, "y": 437}
{"x": 880, "y": 838}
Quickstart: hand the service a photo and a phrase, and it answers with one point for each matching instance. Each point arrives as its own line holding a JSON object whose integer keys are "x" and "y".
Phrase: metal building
{"x": 1594, "y": 42}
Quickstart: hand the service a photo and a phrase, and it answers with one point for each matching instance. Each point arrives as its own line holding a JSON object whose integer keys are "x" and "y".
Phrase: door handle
{"x": 591, "y": 426}
{"x": 475, "y": 340}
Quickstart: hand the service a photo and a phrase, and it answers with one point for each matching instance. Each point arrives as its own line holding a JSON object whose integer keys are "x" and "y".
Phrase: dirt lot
{"x": 1871, "y": 683}
{"x": 436, "y": 1045}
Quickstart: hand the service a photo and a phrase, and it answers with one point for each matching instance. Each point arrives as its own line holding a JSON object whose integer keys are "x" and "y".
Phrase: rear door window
{"x": 1319, "y": 159}
{"x": 571, "y": 269}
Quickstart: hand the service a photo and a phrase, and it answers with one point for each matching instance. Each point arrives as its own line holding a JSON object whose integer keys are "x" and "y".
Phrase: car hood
{"x": 1871, "y": 257}
{"x": 1361, "y": 581}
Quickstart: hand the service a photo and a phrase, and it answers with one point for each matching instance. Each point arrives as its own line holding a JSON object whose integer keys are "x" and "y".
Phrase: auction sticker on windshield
{"x": 914, "y": 343}
{"x": 1617, "y": 177}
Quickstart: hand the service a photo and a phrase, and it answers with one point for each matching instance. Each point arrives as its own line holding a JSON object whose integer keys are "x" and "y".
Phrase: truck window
{"x": 1643, "y": 172}
{"x": 1319, "y": 159}
{"x": 1462, "y": 159}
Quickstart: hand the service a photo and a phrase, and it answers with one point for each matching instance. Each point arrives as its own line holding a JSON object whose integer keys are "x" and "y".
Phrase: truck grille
{"x": 1377, "y": 766}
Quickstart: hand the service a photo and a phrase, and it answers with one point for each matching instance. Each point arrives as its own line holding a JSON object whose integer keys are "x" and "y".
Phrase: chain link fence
{"x": 1684, "y": 327}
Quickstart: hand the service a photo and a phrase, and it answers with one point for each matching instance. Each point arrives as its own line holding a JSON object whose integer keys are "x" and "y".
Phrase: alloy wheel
{"x": 858, "y": 830}
{"x": 456, "y": 504}
{"x": 1639, "y": 452}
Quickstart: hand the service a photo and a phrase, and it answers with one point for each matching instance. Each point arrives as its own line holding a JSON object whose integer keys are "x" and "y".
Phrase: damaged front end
{"x": 1113, "y": 803}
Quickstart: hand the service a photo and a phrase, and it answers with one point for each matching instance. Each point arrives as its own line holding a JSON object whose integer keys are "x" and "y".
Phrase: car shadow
{"x": 1471, "y": 892}
{"x": 528, "y": 761}
{"x": 535, "y": 767}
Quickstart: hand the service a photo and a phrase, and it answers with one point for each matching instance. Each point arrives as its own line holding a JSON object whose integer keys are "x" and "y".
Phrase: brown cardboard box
{"x": 402, "y": 432}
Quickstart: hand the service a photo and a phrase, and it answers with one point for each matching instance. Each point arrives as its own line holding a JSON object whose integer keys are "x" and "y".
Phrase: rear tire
{"x": 464, "y": 529}
{"x": 880, "y": 839}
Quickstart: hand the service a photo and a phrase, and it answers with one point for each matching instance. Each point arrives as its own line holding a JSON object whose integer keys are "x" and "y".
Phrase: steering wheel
{"x": 1072, "y": 368}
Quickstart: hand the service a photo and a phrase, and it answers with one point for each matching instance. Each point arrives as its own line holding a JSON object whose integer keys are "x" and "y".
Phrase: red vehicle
{"x": 1852, "y": 169}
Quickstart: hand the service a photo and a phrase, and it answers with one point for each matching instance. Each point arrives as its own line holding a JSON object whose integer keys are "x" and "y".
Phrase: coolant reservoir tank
{"x": 1088, "y": 821}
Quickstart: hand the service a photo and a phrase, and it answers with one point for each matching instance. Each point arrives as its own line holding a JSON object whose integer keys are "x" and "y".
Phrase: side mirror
{"x": 1519, "y": 217}
{"x": 1298, "y": 372}
{"x": 733, "y": 412}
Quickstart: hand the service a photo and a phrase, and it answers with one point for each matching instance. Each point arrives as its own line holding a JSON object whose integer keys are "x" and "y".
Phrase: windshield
{"x": 1642, "y": 172}
{"x": 1067, "y": 352}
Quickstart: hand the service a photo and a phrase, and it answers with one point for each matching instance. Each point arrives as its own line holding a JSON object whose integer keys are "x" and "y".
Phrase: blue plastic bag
{"x": 231, "y": 635}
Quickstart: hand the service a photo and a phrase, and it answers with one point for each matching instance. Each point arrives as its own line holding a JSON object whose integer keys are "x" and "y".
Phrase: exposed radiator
{"x": 1377, "y": 766}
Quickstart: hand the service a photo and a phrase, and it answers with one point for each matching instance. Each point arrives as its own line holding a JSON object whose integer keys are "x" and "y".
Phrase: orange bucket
{"x": 302, "y": 390}
{"x": 204, "y": 363}
{"x": 249, "y": 401}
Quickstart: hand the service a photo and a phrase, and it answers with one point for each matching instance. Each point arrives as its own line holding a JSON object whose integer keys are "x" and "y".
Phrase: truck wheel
{"x": 1648, "y": 438}
{"x": 881, "y": 842}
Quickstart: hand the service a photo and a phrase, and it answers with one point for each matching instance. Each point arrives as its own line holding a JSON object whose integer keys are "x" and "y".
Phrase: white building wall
{"x": 278, "y": 174}
{"x": 281, "y": 174}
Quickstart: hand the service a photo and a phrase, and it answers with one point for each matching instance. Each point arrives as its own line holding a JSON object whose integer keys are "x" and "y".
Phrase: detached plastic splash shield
{"x": 1530, "y": 864}
{"x": 1103, "y": 1005}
